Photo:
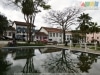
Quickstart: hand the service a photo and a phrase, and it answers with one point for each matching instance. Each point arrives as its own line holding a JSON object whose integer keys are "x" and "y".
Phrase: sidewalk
{"x": 79, "y": 49}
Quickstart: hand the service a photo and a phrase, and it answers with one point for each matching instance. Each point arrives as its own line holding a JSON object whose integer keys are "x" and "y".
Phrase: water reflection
{"x": 60, "y": 63}
{"x": 85, "y": 61}
{"x": 52, "y": 61}
{"x": 4, "y": 65}
{"x": 29, "y": 66}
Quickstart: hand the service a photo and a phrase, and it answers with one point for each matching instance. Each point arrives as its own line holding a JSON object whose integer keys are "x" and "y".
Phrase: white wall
{"x": 43, "y": 30}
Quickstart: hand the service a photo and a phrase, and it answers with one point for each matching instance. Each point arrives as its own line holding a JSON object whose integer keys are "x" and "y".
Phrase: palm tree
{"x": 94, "y": 28}
{"x": 84, "y": 22}
{"x": 30, "y": 9}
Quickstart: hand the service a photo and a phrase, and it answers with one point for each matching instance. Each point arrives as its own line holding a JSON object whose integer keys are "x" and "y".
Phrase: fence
{"x": 83, "y": 45}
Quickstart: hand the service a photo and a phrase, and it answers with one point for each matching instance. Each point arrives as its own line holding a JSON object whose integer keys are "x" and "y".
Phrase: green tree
{"x": 85, "y": 61}
{"x": 4, "y": 65}
{"x": 75, "y": 36}
{"x": 30, "y": 8}
{"x": 84, "y": 22}
{"x": 3, "y": 24}
{"x": 94, "y": 28}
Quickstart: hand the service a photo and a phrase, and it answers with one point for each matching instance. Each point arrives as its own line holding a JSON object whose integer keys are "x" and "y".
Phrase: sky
{"x": 14, "y": 14}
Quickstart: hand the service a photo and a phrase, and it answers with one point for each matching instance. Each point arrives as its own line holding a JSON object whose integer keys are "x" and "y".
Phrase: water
{"x": 47, "y": 60}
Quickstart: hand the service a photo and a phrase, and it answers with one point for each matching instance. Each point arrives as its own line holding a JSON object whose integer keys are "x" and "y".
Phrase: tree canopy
{"x": 3, "y": 24}
{"x": 84, "y": 22}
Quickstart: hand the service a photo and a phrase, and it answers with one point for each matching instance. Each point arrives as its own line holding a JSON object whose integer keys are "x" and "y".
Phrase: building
{"x": 22, "y": 30}
{"x": 40, "y": 36}
{"x": 91, "y": 36}
{"x": 10, "y": 31}
{"x": 55, "y": 34}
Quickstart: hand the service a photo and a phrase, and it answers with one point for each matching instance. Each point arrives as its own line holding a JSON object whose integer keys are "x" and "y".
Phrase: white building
{"x": 10, "y": 31}
{"x": 21, "y": 30}
{"x": 55, "y": 34}
{"x": 40, "y": 36}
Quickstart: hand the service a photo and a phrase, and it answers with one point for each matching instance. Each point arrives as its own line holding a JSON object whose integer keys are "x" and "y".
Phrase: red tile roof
{"x": 21, "y": 23}
{"x": 10, "y": 28}
{"x": 52, "y": 29}
{"x": 41, "y": 34}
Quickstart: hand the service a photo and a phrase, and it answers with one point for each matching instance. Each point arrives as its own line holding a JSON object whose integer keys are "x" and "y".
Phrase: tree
{"x": 94, "y": 28}
{"x": 30, "y": 8}
{"x": 3, "y": 24}
{"x": 64, "y": 18}
{"x": 85, "y": 61}
{"x": 84, "y": 22}
{"x": 4, "y": 65}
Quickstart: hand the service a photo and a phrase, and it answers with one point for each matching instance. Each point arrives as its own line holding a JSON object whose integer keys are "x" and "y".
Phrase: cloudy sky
{"x": 15, "y": 14}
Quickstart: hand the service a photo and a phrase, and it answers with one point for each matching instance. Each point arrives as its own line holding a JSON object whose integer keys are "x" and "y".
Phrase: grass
{"x": 98, "y": 48}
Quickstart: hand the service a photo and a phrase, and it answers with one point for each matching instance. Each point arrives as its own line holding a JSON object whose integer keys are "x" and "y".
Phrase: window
{"x": 60, "y": 34}
{"x": 50, "y": 34}
{"x": 53, "y": 34}
{"x": 37, "y": 37}
{"x": 68, "y": 39}
{"x": 9, "y": 33}
{"x": 18, "y": 30}
{"x": 97, "y": 37}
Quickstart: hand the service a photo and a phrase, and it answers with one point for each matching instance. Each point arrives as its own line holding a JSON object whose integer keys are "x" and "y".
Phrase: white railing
{"x": 83, "y": 45}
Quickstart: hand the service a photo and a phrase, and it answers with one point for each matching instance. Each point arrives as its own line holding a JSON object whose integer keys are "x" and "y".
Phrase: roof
{"x": 48, "y": 29}
{"x": 41, "y": 34}
{"x": 22, "y": 23}
{"x": 10, "y": 28}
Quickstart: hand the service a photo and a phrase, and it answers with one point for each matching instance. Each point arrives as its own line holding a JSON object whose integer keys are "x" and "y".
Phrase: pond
{"x": 49, "y": 60}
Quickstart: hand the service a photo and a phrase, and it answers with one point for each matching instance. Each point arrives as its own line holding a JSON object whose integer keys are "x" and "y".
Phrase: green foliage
{"x": 27, "y": 44}
{"x": 94, "y": 28}
{"x": 98, "y": 48}
{"x": 27, "y": 7}
{"x": 4, "y": 66}
{"x": 76, "y": 34}
{"x": 84, "y": 22}
{"x": 3, "y": 23}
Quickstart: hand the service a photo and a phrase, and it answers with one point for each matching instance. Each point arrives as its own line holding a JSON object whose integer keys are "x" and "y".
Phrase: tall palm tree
{"x": 30, "y": 9}
{"x": 84, "y": 22}
{"x": 94, "y": 28}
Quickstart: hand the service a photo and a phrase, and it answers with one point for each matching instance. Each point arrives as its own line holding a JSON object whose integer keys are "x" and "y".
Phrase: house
{"x": 40, "y": 36}
{"x": 55, "y": 34}
{"x": 10, "y": 31}
{"x": 22, "y": 30}
{"x": 91, "y": 36}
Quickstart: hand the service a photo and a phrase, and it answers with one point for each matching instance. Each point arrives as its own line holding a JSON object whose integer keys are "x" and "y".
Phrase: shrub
{"x": 27, "y": 44}
{"x": 55, "y": 42}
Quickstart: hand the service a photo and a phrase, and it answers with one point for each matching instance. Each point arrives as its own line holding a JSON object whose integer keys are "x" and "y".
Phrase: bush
{"x": 41, "y": 42}
{"x": 27, "y": 44}
{"x": 55, "y": 42}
